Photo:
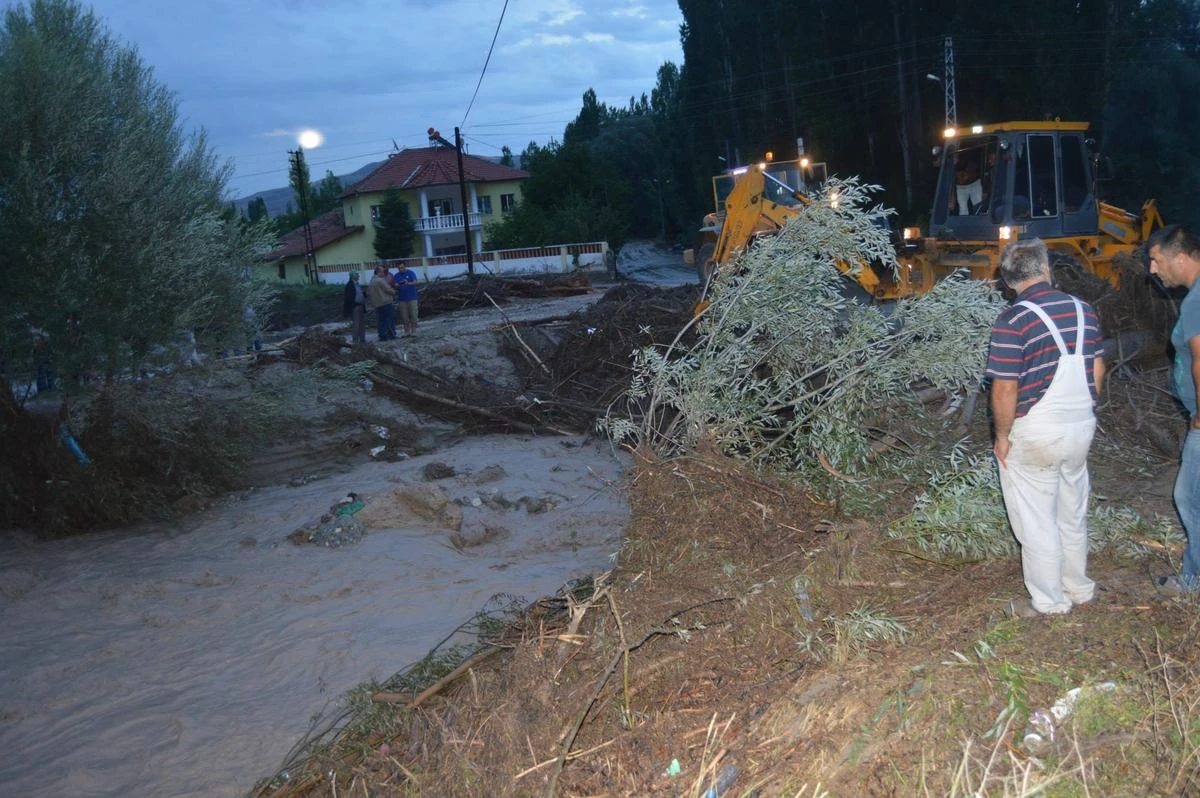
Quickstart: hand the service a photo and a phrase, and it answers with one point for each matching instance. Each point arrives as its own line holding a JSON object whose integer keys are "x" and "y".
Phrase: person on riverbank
{"x": 406, "y": 298}
{"x": 381, "y": 294}
{"x": 1046, "y": 368}
{"x": 1175, "y": 260}
{"x": 354, "y": 308}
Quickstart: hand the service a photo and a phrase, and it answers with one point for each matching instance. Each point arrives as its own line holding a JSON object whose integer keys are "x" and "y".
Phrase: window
{"x": 377, "y": 212}
{"x": 1074, "y": 173}
{"x": 1035, "y": 189}
{"x": 282, "y": 270}
{"x": 483, "y": 204}
{"x": 441, "y": 207}
{"x": 507, "y": 202}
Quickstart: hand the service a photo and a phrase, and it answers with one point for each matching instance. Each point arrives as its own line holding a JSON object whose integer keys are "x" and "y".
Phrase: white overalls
{"x": 1046, "y": 482}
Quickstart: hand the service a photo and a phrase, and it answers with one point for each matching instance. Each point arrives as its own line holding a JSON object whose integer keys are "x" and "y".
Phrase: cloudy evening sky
{"x": 254, "y": 73}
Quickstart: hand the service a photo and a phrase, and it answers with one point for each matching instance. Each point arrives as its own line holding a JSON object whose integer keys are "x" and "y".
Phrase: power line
{"x": 313, "y": 163}
{"x": 485, "y": 65}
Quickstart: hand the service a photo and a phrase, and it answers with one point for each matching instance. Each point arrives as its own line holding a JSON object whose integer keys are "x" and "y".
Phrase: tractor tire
{"x": 704, "y": 264}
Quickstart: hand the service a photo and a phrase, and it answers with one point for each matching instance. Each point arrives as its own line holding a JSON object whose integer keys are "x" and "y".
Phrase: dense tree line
{"x": 850, "y": 79}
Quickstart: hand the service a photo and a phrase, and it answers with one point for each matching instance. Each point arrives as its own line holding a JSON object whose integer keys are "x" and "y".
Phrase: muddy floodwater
{"x": 188, "y": 659}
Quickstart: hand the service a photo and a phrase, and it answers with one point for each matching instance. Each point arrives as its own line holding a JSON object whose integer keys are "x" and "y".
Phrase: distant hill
{"x": 278, "y": 199}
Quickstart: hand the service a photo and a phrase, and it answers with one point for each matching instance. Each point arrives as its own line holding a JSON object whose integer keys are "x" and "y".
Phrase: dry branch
{"x": 482, "y": 412}
{"x": 436, "y": 687}
{"x": 572, "y": 731}
{"x": 517, "y": 335}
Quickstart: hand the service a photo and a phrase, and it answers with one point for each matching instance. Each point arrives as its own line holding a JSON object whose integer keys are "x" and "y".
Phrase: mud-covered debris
{"x": 493, "y": 473}
{"x": 437, "y": 470}
{"x": 495, "y": 500}
{"x": 417, "y": 505}
{"x": 534, "y": 506}
{"x": 478, "y": 536}
{"x": 337, "y": 531}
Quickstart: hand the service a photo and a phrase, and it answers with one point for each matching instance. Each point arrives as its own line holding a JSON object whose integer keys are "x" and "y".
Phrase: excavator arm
{"x": 750, "y": 211}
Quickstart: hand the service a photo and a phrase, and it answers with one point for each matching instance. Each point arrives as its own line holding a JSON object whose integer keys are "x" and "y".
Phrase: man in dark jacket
{"x": 380, "y": 295}
{"x": 354, "y": 308}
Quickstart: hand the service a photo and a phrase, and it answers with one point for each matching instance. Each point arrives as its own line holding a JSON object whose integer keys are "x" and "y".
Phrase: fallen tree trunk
{"x": 481, "y": 412}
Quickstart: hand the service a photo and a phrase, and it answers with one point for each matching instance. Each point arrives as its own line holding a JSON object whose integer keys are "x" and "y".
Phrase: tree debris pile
{"x": 479, "y": 406}
{"x": 1139, "y": 304}
{"x": 144, "y": 448}
{"x": 573, "y": 366}
{"x": 586, "y": 359}
{"x": 786, "y": 371}
{"x": 448, "y": 296}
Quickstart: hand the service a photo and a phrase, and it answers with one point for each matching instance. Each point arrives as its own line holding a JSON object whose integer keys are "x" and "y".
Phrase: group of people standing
{"x": 388, "y": 295}
{"x": 1046, "y": 366}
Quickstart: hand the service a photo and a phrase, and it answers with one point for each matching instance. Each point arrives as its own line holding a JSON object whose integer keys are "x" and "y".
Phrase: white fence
{"x": 557, "y": 258}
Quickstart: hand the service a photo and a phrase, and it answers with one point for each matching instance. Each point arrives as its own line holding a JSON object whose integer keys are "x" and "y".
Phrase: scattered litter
{"x": 1066, "y": 705}
{"x": 1040, "y": 730}
{"x": 800, "y": 585}
{"x": 728, "y": 775}
{"x": 378, "y": 450}
{"x": 381, "y": 432}
{"x": 73, "y": 445}
{"x": 1042, "y": 725}
{"x": 674, "y": 769}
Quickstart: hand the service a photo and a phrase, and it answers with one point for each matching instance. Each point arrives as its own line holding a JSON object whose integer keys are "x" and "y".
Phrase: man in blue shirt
{"x": 406, "y": 298}
{"x": 1175, "y": 261}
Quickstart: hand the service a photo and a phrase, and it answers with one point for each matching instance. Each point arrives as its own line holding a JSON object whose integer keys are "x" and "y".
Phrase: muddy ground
{"x": 738, "y": 649}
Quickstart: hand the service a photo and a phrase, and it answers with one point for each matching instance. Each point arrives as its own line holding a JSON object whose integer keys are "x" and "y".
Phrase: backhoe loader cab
{"x": 1015, "y": 180}
{"x": 759, "y": 197}
{"x": 801, "y": 175}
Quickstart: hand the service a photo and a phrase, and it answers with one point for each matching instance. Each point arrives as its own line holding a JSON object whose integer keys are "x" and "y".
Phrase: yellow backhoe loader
{"x": 996, "y": 184}
{"x": 758, "y": 201}
{"x": 1016, "y": 180}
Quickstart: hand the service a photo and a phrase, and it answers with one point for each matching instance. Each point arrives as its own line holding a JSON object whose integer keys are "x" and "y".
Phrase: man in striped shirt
{"x": 1175, "y": 260}
{"x": 1046, "y": 370}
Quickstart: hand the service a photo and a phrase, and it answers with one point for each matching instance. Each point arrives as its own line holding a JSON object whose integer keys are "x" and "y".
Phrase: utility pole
{"x": 300, "y": 183}
{"x": 434, "y": 135}
{"x": 462, "y": 189}
{"x": 905, "y": 154}
{"x": 951, "y": 93}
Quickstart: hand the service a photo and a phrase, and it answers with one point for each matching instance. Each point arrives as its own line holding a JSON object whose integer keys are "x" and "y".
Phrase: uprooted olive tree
{"x": 117, "y": 258}
{"x": 791, "y": 370}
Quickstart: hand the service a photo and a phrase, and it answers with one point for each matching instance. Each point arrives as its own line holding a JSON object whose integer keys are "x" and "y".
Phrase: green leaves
{"x": 788, "y": 369}
{"x": 115, "y": 242}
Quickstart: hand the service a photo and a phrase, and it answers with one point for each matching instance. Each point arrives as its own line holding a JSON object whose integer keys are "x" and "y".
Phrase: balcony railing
{"x": 446, "y": 223}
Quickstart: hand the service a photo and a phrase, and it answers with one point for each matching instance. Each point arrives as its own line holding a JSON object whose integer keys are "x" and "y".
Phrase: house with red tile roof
{"x": 427, "y": 178}
{"x": 333, "y": 242}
